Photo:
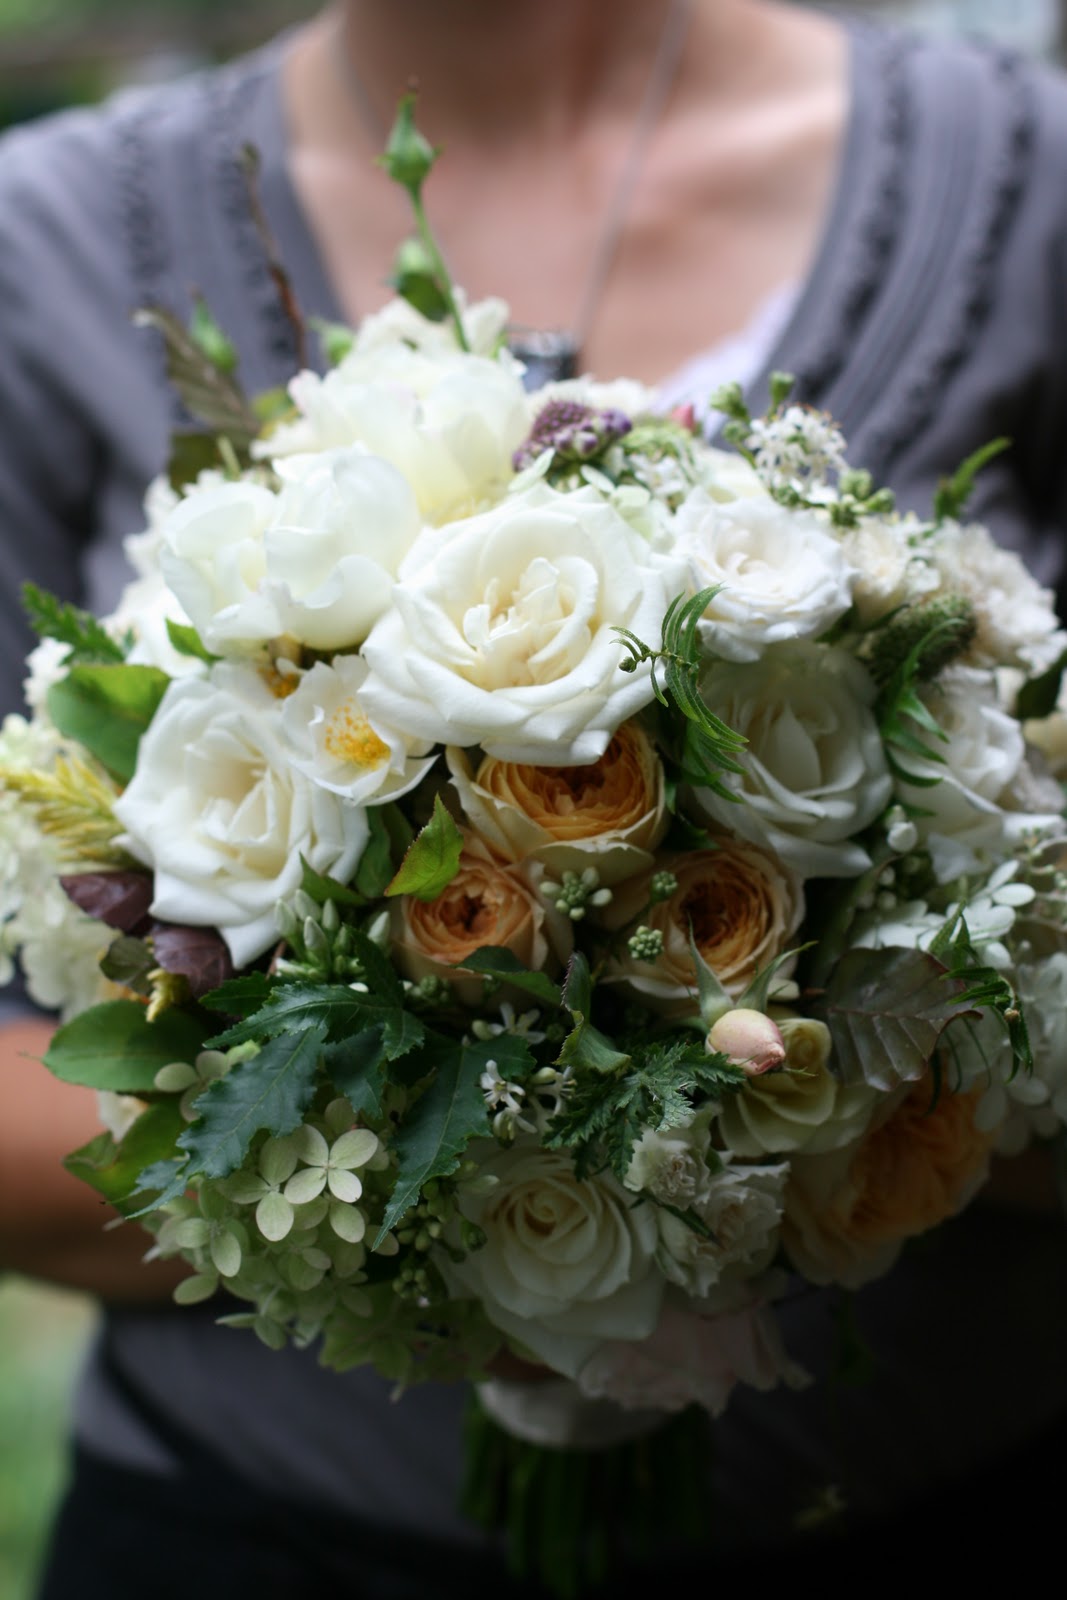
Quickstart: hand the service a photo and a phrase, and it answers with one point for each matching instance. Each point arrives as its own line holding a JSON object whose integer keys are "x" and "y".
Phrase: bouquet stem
{"x": 569, "y": 1517}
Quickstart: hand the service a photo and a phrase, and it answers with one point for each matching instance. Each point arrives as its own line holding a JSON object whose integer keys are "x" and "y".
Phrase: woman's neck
{"x": 524, "y": 70}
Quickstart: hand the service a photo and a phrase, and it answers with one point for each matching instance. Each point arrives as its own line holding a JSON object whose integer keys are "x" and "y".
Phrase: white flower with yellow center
{"x": 337, "y": 746}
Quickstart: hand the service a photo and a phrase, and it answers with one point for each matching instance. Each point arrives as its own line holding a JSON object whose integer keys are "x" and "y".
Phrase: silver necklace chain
{"x": 553, "y": 354}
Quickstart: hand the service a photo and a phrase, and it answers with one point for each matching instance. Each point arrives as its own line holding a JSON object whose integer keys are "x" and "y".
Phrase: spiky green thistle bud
{"x": 939, "y": 630}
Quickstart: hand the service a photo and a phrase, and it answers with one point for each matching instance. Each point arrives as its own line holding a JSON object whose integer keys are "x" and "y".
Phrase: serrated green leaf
{"x": 208, "y": 393}
{"x": 501, "y": 963}
{"x": 113, "y": 1168}
{"x": 886, "y": 1011}
{"x": 107, "y": 708}
{"x": 577, "y": 993}
{"x": 86, "y": 639}
{"x": 293, "y": 1007}
{"x": 356, "y": 1066}
{"x": 188, "y": 642}
{"x": 432, "y": 859}
{"x": 162, "y": 1182}
{"x": 376, "y": 866}
{"x": 441, "y": 1124}
{"x": 240, "y": 997}
{"x": 114, "y": 1046}
{"x": 320, "y": 888}
{"x": 268, "y": 1094}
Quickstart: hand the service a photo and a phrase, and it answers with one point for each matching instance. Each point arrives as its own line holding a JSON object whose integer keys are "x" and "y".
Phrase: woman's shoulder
{"x": 114, "y": 186}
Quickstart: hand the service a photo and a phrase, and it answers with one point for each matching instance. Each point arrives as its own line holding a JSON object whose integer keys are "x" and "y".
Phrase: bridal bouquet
{"x": 524, "y": 879}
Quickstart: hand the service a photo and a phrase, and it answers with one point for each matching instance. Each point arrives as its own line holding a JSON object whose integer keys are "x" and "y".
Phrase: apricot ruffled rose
{"x": 609, "y": 814}
{"x": 739, "y": 904}
{"x": 848, "y": 1213}
{"x": 488, "y": 902}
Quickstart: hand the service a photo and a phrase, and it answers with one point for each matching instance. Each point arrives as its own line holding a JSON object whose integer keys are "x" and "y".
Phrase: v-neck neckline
{"x": 831, "y": 295}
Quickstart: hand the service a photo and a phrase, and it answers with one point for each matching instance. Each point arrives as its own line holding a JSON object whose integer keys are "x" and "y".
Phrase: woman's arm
{"x": 52, "y": 1225}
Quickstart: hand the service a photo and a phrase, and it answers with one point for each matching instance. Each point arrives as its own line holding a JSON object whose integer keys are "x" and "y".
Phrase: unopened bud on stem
{"x": 749, "y": 1039}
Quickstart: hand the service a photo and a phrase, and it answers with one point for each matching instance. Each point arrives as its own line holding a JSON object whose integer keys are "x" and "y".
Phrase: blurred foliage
{"x": 57, "y": 52}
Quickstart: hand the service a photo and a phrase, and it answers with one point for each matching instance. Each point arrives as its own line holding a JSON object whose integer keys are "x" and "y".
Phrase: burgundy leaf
{"x": 197, "y": 954}
{"x": 120, "y": 899}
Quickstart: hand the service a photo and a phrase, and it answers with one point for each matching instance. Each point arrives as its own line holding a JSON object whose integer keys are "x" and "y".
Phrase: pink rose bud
{"x": 686, "y": 416}
{"x": 751, "y": 1041}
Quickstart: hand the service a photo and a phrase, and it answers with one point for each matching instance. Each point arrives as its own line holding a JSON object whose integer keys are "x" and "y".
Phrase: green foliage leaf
{"x": 129, "y": 961}
{"x": 1038, "y": 696}
{"x": 886, "y": 1011}
{"x": 86, "y": 640}
{"x": 953, "y": 493}
{"x": 376, "y": 864}
{"x": 107, "y": 708}
{"x": 161, "y": 1182}
{"x": 188, "y": 642}
{"x": 585, "y": 1048}
{"x": 336, "y": 339}
{"x": 239, "y": 997}
{"x": 114, "y": 1169}
{"x": 448, "y": 1115}
{"x": 356, "y": 1066}
{"x": 270, "y": 1093}
{"x": 114, "y": 1046}
{"x": 291, "y": 1008}
{"x": 605, "y": 1114}
{"x": 500, "y": 963}
{"x": 209, "y": 337}
{"x": 432, "y": 859}
{"x": 321, "y": 888}
{"x": 191, "y": 453}
{"x": 416, "y": 279}
{"x": 207, "y": 392}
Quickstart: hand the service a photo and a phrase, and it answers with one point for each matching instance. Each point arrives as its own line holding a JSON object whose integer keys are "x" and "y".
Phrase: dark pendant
{"x": 547, "y": 357}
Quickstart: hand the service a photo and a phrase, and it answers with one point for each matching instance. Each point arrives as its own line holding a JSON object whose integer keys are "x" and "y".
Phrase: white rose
{"x": 144, "y": 609}
{"x": 693, "y": 1358}
{"x": 343, "y": 524}
{"x": 890, "y": 571}
{"x": 741, "y": 1207}
{"x": 981, "y": 754}
{"x": 398, "y": 322}
{"x": 566, "y": 1264}
{"x": 803, "y": 1107}
{"x": 334, "y": 743}
{"x": 448, "y": 421}
{"x": 814, "y": 768}
{"x": 780, "y": 574}
{"x": 316, "y": 560}
{"x": 218, "y": 811}
{"x": 502, "y": 632}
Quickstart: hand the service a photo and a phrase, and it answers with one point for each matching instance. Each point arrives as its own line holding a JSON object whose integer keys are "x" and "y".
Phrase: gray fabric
{"x": 933, "y": 320}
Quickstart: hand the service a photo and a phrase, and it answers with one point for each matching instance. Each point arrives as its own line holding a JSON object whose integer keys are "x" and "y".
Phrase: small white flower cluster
{"x": 797, "y": 448}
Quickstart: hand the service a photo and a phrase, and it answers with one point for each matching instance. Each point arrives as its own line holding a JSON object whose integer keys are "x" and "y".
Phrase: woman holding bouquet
{"x": 684, "y": 192}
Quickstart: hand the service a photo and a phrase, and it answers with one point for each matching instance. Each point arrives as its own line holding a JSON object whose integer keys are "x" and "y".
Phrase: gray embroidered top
{"x": 934, "y": 319}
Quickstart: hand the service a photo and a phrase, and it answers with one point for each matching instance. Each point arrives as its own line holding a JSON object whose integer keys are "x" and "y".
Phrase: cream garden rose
{"x": 567, "y": 1263}
{"x": 847, "y": 1213}
{"x": 609, "y": 814}
{"x": 502, "y": 632}
{"x": 802, "y": 1107}
{"x": 814, "y": 770}
{"x": 218, "y": 811}
{"x": 779, "y": 574}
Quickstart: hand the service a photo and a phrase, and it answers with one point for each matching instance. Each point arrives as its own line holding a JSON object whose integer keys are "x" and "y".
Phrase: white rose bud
{"x": 751, "y": 1040}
